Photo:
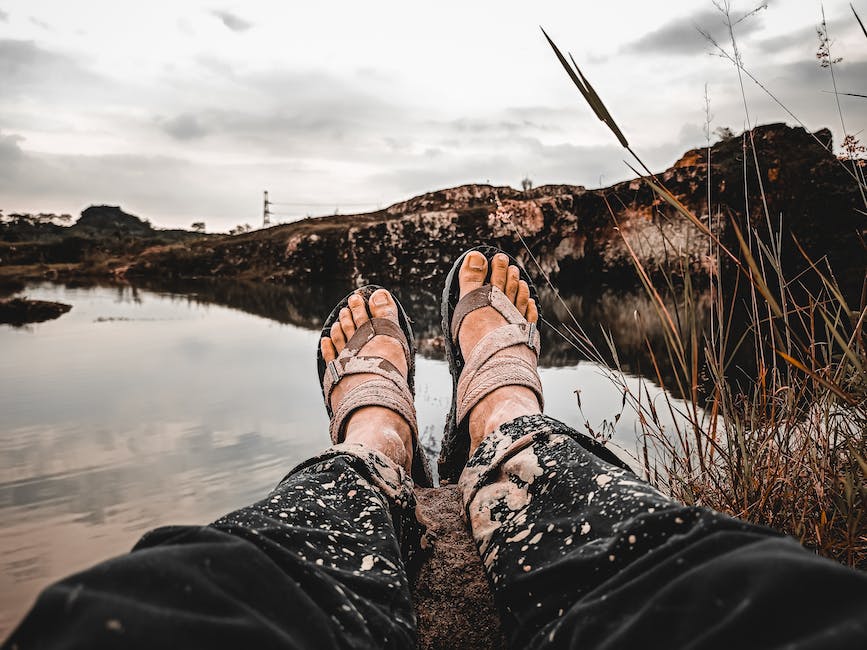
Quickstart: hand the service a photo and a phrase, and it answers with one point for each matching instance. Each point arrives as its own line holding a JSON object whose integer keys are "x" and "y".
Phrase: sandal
{"x": 391, "y": 389}
{"x": 485, "y": 370}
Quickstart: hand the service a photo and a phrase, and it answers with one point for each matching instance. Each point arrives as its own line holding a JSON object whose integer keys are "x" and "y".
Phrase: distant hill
{"x": 95, "y": 221}
{"x": 105, "y": 219}
{"x": 100, "y": 237}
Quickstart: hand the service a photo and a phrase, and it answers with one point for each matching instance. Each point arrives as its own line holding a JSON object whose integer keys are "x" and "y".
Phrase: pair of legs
{"x": 578, "y": 550}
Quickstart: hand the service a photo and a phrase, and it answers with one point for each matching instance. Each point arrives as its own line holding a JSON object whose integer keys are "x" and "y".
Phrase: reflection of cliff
{"x": 569, "y": 229}
{"x": 617, "y": 312}
{"x": 300, "y": 304}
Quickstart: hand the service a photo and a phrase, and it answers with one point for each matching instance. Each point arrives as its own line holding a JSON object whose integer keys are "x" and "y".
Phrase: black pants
{"x": 579, "y": 553}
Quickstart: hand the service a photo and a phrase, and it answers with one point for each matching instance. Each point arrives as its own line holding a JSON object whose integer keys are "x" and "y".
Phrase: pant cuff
{"x": 513, "y": 436}
{"x": 396, "y": 486}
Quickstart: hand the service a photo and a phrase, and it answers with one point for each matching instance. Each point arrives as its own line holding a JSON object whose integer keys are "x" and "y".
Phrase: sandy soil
{"x": 453, "y": 601}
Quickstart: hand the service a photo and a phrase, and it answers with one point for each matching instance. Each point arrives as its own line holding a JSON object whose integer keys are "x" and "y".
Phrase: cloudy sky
{"x": 187, "y": 111}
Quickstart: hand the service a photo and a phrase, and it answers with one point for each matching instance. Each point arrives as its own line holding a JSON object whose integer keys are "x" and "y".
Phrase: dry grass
{"x": 769, "y": 390}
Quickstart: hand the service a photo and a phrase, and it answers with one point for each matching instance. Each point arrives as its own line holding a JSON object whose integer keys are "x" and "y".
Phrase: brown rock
{"x": 20, "y": 311}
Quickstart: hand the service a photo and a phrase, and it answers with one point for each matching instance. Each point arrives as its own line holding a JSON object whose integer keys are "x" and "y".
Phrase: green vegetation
{"x": 102, "y": 239}
{"x": 766, "y": 368}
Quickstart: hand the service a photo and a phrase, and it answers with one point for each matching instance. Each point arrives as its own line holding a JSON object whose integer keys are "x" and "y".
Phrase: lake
{"x": 143, "y": 407}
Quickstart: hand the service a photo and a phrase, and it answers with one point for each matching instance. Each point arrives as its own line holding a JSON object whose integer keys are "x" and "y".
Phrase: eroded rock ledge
{"x": 572, "y": 231}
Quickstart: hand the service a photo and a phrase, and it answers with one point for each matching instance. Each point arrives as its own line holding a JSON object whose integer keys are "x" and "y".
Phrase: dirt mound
{"x": 453, "y": 602}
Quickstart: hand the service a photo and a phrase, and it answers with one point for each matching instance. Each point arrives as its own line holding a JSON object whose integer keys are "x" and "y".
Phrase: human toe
{"x": 382, "y": 305}
{"x": 326, "y": 346}
{"x": 358, "y": 309}
{"x": 499, "y": 271}
{"x": 522, "y": 299}
{"x": 472, "y": 272}
{"x": 337, "y": 337}
{"x": 513, "y": 275}
{"x": 346, "y": 323}
{"x": 532, "y": 311}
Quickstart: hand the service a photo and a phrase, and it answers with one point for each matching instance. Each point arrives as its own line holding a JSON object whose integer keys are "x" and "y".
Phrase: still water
{"x": 144, "y": 407}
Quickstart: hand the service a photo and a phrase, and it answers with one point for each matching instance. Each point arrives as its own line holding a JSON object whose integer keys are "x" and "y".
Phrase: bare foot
{"x": 373, "y": 426}
{"x": 509, "y": 402}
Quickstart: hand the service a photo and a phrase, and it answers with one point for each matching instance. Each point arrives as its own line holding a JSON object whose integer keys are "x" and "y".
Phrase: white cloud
{"x": 180, "y": 116}
{"x": 233, "y": 22}
{"x": 685, "y": 35}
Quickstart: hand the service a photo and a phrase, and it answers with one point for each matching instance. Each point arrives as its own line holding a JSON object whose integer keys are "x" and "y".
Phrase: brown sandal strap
{"x": 371, "y": 328}
{"x": 489, "y": 366}
{"x": 376, "y": 392}
{"x": 486, "y": 296}
{"x": 502, "y": 370}
{"x": 390, "y": 390}
{"x": 339, "y": 368}
{"x": 500, "y": 339}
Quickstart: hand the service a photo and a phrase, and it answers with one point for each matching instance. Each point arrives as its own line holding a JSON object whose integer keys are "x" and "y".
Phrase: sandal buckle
{"x": 335, "y": 374}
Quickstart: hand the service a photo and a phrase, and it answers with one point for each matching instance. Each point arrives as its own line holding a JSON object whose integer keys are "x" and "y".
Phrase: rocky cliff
{"x": 572, "y": 231}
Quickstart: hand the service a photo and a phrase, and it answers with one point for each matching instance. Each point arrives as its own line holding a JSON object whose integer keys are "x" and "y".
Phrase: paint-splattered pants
{"x": 579, "y": 552}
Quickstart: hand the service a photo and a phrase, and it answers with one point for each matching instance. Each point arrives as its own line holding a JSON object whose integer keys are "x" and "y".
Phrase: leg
{"x": 582, "y": 553}
{"x": 318, "y": 563}
{"x": 315, "y": 564}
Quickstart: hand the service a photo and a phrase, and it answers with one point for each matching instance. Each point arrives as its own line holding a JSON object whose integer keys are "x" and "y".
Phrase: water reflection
{"x": 149, "y": 405}
{"x": 627, "y": 314}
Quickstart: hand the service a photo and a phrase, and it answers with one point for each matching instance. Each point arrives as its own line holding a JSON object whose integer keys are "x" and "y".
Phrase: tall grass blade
{"x": 839, "y": 392}
{"x": 858, "y": 18}
{"x": 599, "y": 107}
{"x": 587, "y": 92}
{"x": 847, "y": 350}
{"x": 756, "y": 275}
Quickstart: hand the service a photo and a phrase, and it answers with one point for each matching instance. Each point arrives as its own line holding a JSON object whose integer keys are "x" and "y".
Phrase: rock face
{"x": 20, "y": 311}
{"x": 574, "y": 233}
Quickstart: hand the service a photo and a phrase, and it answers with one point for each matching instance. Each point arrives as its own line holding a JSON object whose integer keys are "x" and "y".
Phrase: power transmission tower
{"x": 266, "y": 212}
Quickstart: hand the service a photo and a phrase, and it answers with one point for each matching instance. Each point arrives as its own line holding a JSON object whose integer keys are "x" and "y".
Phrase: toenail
{"x": 380, "y": 299}
{"x": 355, "y": 299}
{"x": 502, "y": 259}
{"x": 477, "y": 262}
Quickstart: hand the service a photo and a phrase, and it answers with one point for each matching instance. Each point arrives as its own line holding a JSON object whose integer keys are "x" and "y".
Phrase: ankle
{"x": 383, "y": 430}
{"x": 498, "y": 407}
